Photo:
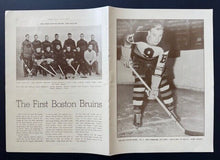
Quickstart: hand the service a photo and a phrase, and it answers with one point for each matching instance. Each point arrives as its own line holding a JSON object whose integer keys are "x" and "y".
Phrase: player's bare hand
{"x": 126, "y": 62}
{"x": 39, "y": 61}
{"x": 49, "y": 60}
{"x": 147, "y": 92}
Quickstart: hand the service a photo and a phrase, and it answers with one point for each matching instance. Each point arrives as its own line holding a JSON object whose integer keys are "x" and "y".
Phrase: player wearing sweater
{"x": 49, "y": 62}
{"x": 149, "y": 61}
{"x": 27, "y": 52}
{"x": 36, "y": 43}
{"x": 46, "y": 44}
{"x": 69, "y": 42}
{"x": 56, "y": 43}
{"x": 90, "y": 58}
{"x": 69, "y": 58}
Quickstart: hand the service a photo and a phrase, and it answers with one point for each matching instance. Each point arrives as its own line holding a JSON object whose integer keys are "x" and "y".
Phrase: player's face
{"x": 38, "y": 50}
{"x": 46, "y": 38}
{"x": 58, "y": 47}
{"x": 155, "y": 35}
{"x": 48, "y": 49}
{"x": 70, "y": 36}
{"x": 78, "y": 49}
{"x": 56, "y": 37}
{"x": 35, "y": 37}
{"x": 92, "y": 37}
{"x": 90, "y": 47}
{"x": 68, "y": 49}
{"x": 81, "y": 36}
{"x": 27, "y": 37}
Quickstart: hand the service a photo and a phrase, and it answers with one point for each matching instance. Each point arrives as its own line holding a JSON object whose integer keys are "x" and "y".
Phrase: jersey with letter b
{"x": 149, "y": 52}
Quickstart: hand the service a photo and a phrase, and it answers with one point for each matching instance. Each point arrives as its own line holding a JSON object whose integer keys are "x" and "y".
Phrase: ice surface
{"x": 156, "y": 123}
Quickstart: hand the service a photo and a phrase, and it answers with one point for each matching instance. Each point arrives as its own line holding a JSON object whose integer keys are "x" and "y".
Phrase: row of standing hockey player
{"x": 79, "y": 59}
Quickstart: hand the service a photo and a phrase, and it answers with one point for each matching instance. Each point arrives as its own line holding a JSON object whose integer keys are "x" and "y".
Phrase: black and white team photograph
{"x": 55, "y": 53}
{"x": 160, "y": 78}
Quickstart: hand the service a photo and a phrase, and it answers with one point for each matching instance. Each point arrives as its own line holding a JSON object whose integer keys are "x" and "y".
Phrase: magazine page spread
{"x": 109, "y": 81}
{"x": 57, "y": 77}
{"x": 161, "y": 80}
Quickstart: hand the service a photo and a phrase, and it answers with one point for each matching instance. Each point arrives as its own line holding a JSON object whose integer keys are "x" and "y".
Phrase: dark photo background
{"x": 71, "y": 4}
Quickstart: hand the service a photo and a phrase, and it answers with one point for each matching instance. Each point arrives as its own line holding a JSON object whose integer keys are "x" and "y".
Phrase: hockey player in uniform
{"x": 69, "y": 57}
{"x": 90, "y": 58}
{"x": 69, "y": 42}
{"x": 82, "y": 45}
{"x": 94, "y": 44}
{"x": 95, "y": 47}
{"x": 56, "y": 43}
{"x": 36, "y": 43}
{"x": 38, "y": 57}
{"x": 79, "y": 60}
{"x": 46, "y": 43}
{"x": 59, "y": 59}
{"x": 37, "y": 46}
{"x": 149, "y": 61}
{"x": 26, "y": 55}
{"x": 49, "y": 62}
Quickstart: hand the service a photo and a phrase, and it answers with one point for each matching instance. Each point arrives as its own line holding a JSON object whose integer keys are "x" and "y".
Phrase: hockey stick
{"x": 26, "y": 67}
{"x": 75, "y": 70}
{"x": 46, "y": 70}
{"x": 39, "y": 64}
{"x": 61, "y": 71}
{"x": 49, "y": 61}
{"x": 53, "y": 70}
{"x": 187, "y": 132}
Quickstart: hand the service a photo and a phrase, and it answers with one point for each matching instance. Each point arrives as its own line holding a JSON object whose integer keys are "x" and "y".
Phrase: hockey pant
{"x": 92, "y": 68}
{"x": 146, "y": 69}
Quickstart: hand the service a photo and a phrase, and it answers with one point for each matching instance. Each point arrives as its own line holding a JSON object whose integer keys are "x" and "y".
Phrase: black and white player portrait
{"x": 52, "y": 53}
{"x": 160, "y": 78}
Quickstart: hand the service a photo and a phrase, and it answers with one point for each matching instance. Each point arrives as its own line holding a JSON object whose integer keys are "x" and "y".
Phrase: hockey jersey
{"x": 58, "y": 55}
{"x": 69, "y": 42}
{"x": 27, "y": 49}
{"x": 82, "y": 44}
{"x": 94, "y": 45}
{"x": 38, "y": 55}
{"x": 46, "y": 44}
{"x": 146, "y": 51}
{"x": 48, "y": 54}
{"x": 56, "y": 43}
{"x": 69, "y": 55}
{"x": 36, "y": 44}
